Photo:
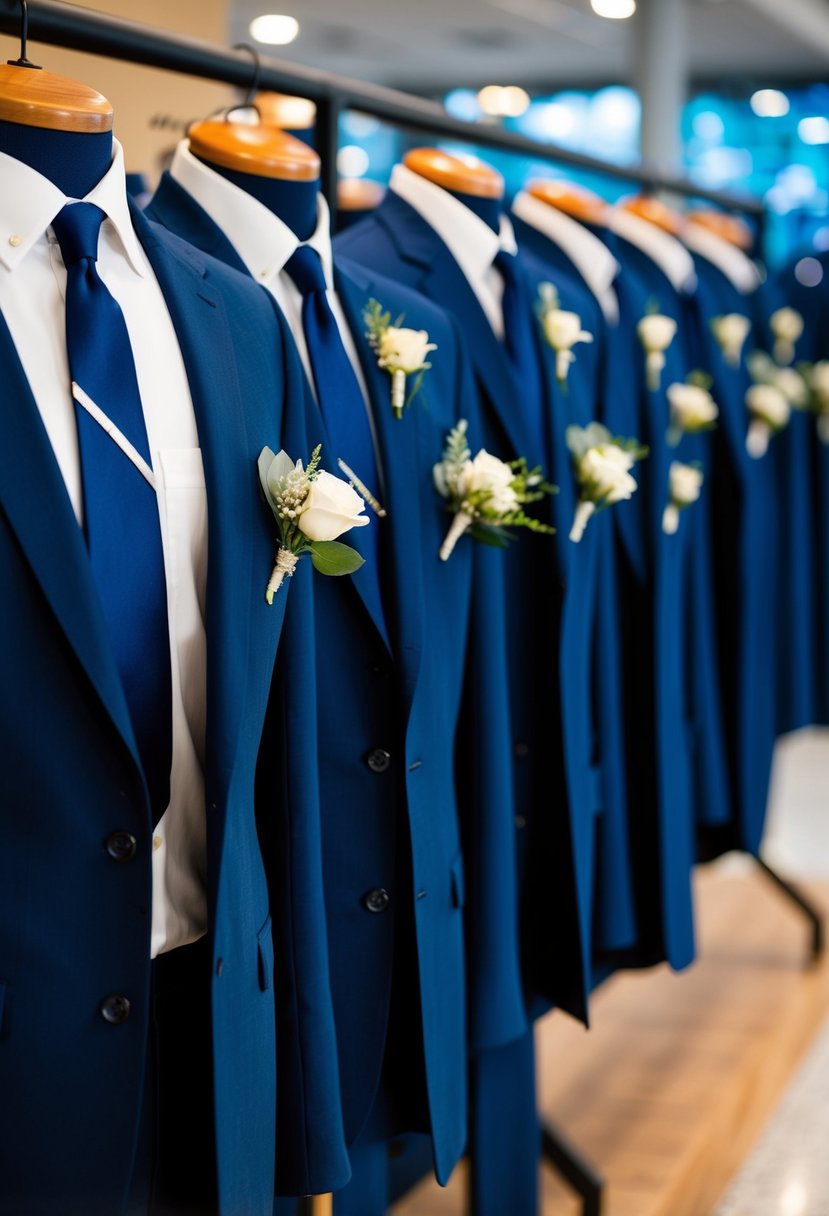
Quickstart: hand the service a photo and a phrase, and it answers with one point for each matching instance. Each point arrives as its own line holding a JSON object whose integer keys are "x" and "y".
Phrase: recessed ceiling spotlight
{"x": 769, "y": 103}
{"x": 814, "y": 130}
{"x": 616, "y": 10}
{"x": 503, "y": 101}
{"x": 274, "y": 29}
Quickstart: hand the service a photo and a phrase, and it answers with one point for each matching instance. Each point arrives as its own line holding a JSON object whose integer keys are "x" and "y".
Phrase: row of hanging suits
{"x": 480, "y": 785}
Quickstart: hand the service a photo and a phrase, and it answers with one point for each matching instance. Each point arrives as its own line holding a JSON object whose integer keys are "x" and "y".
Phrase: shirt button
{"x": 377, "y": 901}
{"x": 15, "y": 239}
{"x": 158, "y": 841}
{"x": 115, "y": 1009}
{"x": 121, "y": 846}
{"x": 378, "y": 760}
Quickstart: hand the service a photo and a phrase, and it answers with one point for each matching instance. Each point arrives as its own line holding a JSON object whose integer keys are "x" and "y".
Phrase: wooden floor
{"x": 668, "y": 1091}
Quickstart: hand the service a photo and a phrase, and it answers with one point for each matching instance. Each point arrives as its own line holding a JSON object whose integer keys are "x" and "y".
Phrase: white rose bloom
{"x": 767, "y": 402}
{"x": 404, "y": 350}
{"x": 604, "y": 472}
{"x": 786, "y": 326}
{"x": 656, "y": 332}
{"x": 487, "y": 472}
{"x": 731, "y": 331}
{"x": 685, "y": 482}
{"x": 331, "y": 508}
{"x": 793, "y": 387}
{"x": 692, "y": 408}
{"x": 819, "y": 381}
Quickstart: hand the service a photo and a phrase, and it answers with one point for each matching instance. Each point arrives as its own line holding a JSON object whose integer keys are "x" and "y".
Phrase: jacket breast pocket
{"x": 264, "y": 942}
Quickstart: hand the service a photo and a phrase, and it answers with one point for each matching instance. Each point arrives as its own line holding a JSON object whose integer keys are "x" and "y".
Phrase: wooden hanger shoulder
{"x": 285, "y": 111}
{"x": 574, "y": 200}
{"x": 35, "y": 98}
{"x": 467, "y": 175}
{"x": 655, "y": 212}
{"x": 359, "y": 194}
{"x": 729, "y": 227}
{"x": 261, "y": 150}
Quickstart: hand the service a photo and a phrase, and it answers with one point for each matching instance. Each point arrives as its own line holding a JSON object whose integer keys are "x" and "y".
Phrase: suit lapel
{"x": 239, "y": 545}
{"x": 33, "y": 494}
{"x": 179, "y": 212}
{"x": 402, "y": 499}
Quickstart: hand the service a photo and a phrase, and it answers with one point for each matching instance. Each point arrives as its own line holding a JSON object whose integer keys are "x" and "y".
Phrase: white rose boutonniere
{"x": 602, "y": 466}
{"x": 786, "y": 326}
{"x": 562, "y": 329}
{"x": 731, "y": 331}
{"x": 770, "y": 413}
{"x": 693, "y": 409}
{"x": 400, "y": 352}
{"x": 685, "y": 483}
{"x": 486, "y": 495}
{"x": 311, "y": 508}
{"x": 656, "y": 333}
{"x": 791, "y": 382}
{"x": 818, "y": 380}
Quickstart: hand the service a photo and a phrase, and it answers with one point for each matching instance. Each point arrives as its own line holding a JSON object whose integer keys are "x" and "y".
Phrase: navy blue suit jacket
{"x": 75, "y": 924}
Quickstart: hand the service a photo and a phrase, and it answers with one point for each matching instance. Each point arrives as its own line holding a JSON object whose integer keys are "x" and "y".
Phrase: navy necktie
{"x": 518, "y": 336}
{"x": 339, "y": 394}
{"x": 121, "y": 523}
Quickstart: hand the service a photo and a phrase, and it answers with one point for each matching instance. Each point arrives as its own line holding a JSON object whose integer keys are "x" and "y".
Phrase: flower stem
{"x": 580, "y": 521}
{"x": 654, "y": 364}
{"x": 670, "y": 519}
{"x": 398, "y": 392}
{"x": 460, "y": 524}
{"x": 286, "y": 563}
{"x": 757, "y": 439}
{"x": 823, "y": 427}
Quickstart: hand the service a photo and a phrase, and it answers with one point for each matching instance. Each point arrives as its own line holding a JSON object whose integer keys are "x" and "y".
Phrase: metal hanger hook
{"x": 23, "y": 62}
{"x": 253, "y": 88}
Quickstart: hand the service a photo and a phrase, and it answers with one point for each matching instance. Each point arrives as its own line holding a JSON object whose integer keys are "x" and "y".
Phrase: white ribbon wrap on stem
{"x": 398, "y": 391}
{"x": 654, "y": 364}
{"x": 670, "y": 519}
{"x": 757, "y": 439}
{"x": 286, "y": 563}
{"x": 580, "y": 520}
{"x": 460, "y": 524}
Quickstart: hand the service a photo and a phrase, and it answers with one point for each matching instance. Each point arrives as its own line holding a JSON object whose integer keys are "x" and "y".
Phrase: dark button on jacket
{"x": 378, "y": 760}
{"x": 121, "y": 846}
{"x": 115, "y": 1009}
{"x": 377, "y": 901}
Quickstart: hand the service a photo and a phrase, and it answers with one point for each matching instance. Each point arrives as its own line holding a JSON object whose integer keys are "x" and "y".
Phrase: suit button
{"x": 115, "y": 1009}
{"x": 377, "y": 901}
{"x": 378, "y": 760}
{"x": 121, "y": 846}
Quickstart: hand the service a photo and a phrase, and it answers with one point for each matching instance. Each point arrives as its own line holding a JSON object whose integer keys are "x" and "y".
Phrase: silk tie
{"x": 518, "y": 335}
{"x": 340, "y": 396}
{"x": 121, "y": 523}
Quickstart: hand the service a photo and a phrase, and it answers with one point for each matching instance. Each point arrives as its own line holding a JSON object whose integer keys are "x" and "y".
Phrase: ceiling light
{"x": 352, "y": 161}
{"x": 769, "y": 103}
{"x": 274, "y": 29}
{"x": 617, "y": 10}
{"x": 809, "y": 272}
{"x": 814, "y": 130}
{"x": 503, "y": 101}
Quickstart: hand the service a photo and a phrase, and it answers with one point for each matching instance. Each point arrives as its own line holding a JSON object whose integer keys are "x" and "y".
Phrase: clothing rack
{"x": 65, "y": 25}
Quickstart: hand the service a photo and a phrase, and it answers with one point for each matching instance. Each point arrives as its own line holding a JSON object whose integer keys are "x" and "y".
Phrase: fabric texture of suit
{"x": 77, "y": 926}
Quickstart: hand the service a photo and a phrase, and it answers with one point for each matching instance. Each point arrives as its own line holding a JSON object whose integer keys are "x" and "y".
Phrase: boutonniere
{"x": 818, "y": 380}
{"x": 770, "y": 413}
{"x": 311, "y": 508}
{"x": 786, "y": 326}
{"x": 486, "y": 495}
{"x": 400, "y": 352}
{"x": 685, "y": 482}
{"x": 693, "y": 409}
{"x": 731, "y": 331}
{"x": 562, "y": 329}
{"x": 602, "y": 466}
{"x": 791, "y": 381}
{"x": 656, "y": 333}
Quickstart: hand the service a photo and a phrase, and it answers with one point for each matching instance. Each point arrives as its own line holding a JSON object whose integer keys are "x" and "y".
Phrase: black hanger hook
{"x": 253, "y": 88}
{"x": 23, "y": 62}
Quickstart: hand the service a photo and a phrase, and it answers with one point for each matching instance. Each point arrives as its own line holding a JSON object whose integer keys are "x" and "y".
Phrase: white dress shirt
{"x": 669, "y": 254}
{"x": 470, "y": 240}
{"x": 591, "y": 258}
{"x": 265, "y": 244}
{"x": 32, "y": 300}
{"x": 733, "y": 263}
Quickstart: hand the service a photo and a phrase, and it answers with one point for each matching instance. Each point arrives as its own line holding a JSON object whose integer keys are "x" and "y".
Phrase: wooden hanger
{"x": 729, "y": 227}
{"x": 283, "y": 110}
{"x": 261, "y": 150}
{"x": 467, "y": 175}
{"x": 655, "y": 212}
{"x": 359, "y": 194}
{"x": 572, "y": 199}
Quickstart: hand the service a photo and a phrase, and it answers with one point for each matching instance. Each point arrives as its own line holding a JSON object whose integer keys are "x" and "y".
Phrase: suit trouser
{"x": 170, "y": 1178}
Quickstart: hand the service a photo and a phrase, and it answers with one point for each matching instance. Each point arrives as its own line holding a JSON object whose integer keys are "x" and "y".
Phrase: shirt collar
{"x": 29, "y": 202}
{"x": 669, "y": 254}
{"x": 591, "y": 258}
{"x": 733, "y": 263}
{"x": 468, "y": 238}
{"x": 262, "y": 240}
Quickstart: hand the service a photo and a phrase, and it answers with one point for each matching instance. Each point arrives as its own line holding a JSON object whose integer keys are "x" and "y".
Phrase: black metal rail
{"x": 51, "y": 21}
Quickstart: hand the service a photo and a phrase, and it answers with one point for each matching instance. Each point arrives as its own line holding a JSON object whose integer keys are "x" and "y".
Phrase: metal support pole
{"x": 661, "y": 75}
{"x": 796, "y": 897}
{"x": 567, "y": 1161}
{"x": 328, "y": 143}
